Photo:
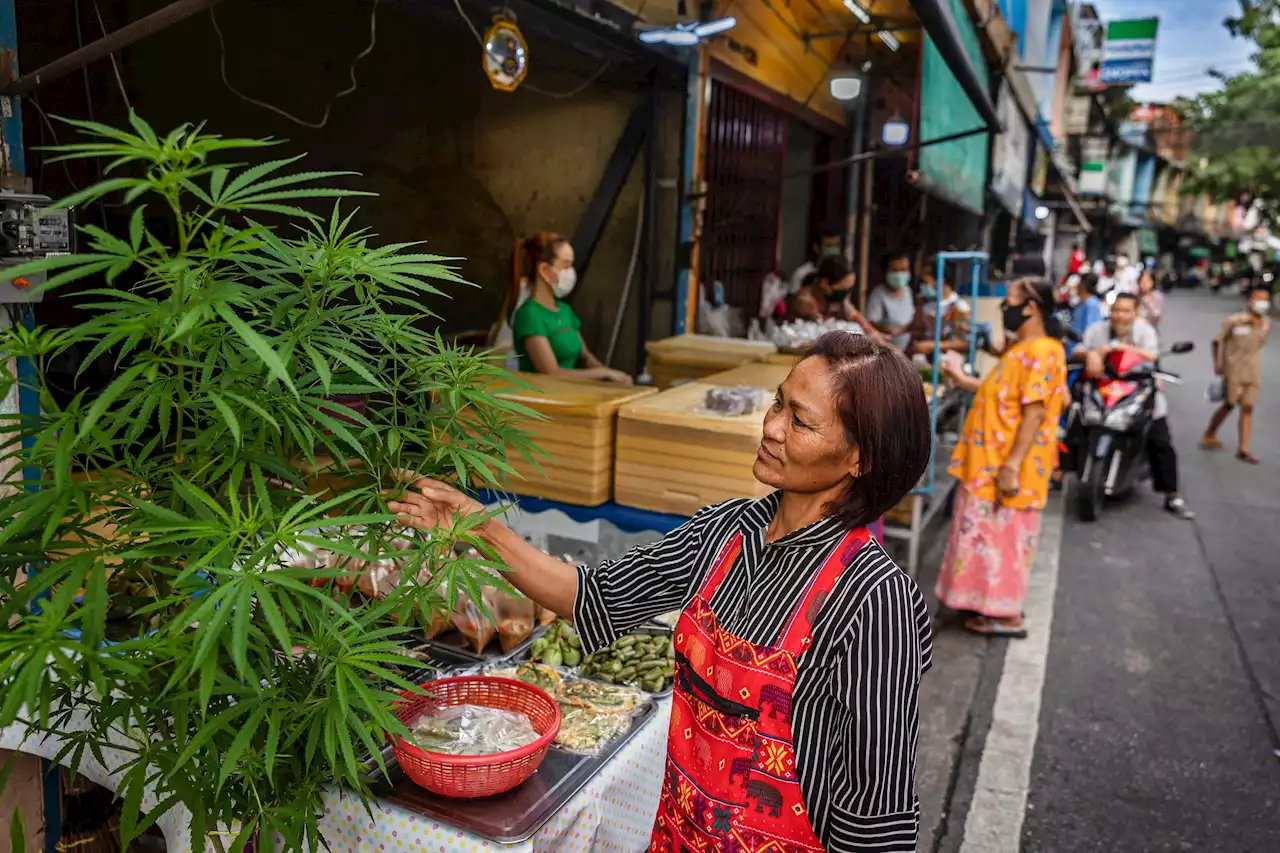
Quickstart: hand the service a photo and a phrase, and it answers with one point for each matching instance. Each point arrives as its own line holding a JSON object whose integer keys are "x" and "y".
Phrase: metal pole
{"x": 75, "y": 60}
{"x": 853, "y": 192}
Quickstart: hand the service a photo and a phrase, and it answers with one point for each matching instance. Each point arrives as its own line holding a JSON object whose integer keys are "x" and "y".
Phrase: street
{"x": 1145, "y": 716}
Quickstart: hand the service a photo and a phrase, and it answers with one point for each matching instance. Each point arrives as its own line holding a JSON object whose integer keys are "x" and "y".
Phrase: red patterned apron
{"x": 730, "y": 784}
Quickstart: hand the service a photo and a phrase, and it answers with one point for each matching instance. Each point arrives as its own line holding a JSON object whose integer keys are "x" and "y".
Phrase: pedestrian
{"x": 1076, "y": 261}
{"x": 1237, "y": 358}
{"x": 1150, "y": 300}
{"x": 800, "y": 644}
{"x": 1002, "y": 462}
{"x": 1125, "y": 331}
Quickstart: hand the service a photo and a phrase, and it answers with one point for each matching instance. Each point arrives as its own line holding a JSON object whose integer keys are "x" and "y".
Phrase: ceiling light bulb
{"x": 858, "y": 12}
{"x": 846, "y": 87}
{"x": 889, "y": 40}
{"x": 895, "y": 132}
{"x": 1042, "y": 212}
{"x": 712, "y": 28}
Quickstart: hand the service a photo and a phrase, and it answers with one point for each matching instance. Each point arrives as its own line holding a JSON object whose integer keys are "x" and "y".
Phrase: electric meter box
{"x": 30, "y": 230}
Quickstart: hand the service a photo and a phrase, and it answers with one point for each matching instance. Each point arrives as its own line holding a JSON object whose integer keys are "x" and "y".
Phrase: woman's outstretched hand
{"x": 428, "y": 504}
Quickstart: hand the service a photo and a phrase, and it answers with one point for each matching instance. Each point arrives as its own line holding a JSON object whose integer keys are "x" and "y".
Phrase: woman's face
{"x": 1146, "y": 284}
{"x": 804, "y": 448}
{"x": 563, "y": 260}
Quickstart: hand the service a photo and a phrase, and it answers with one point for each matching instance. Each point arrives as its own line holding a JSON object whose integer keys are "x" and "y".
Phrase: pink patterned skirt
{"x": 989, "y": 557}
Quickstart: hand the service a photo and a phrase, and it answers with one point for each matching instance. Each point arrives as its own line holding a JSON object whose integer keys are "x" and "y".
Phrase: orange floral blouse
{"x": 1031, "y": 372}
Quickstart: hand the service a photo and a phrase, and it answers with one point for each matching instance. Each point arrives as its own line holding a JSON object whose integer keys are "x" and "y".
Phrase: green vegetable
{"x": 572, "y": 657}
{"x": 553, "y": 657}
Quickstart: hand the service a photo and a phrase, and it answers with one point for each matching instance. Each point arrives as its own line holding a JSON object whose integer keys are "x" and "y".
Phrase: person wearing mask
{"x": 891, "y": 308}
{"x": 1106, "y": 277}
{"x": 797, "y": 633}
{"x": 1237, "y": 358}
{"x": 1002, "y": 464}
{"x": 955, "y": 316}
{"x": 547, "y": 334}
{"x": 828, "y": 295}
{"x": 1125, "y": 331}
{"x": 828, "y": 246}
{"x": 1150, "y": 300}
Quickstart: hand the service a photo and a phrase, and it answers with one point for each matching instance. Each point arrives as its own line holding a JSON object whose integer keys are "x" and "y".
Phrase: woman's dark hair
{"x": 1040, "y": 291}
{"x": 887, "y": 259}
{"x": 832, "y": 270}
{"x": 885, "y": 415}
{"x": 529, "y": 252}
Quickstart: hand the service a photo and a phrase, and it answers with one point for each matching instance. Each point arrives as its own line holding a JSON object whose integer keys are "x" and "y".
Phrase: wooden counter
{"x": 577, "y": 435}
{"x": 673, "y": 459}
{"x": 760, "y": 375}
{"x": 691, "y": 357}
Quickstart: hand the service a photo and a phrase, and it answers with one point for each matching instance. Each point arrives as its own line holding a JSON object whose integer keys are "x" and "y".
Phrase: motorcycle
{"x": 1107, "y": 426}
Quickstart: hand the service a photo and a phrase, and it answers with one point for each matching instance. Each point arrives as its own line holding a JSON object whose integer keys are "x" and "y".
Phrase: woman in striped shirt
{"x": 800, "y": 645}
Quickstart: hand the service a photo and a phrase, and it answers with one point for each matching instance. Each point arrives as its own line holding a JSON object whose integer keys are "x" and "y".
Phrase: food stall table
{"x": 690, "y": 357}
{"x": 613, "y": 811}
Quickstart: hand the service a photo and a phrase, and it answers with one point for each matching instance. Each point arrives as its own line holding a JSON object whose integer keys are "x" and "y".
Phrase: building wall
{"x": 456, "y": 164}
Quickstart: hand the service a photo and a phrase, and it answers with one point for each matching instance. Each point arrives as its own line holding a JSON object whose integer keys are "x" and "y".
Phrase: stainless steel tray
{"x": 450, "y": 650}
{"x": 516, "y": 815}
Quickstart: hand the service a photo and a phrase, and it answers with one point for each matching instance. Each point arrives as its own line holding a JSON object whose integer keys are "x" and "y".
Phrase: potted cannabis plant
{"x": 141, "y": 569}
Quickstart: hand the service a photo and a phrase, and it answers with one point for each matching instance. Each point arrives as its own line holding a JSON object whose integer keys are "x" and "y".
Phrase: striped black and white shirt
{"x": 856, "y": 701}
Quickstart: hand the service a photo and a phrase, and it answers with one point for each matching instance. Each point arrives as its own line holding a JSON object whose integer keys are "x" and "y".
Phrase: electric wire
{"x": 328, "y": 108}
{"x": 115, "y": 66}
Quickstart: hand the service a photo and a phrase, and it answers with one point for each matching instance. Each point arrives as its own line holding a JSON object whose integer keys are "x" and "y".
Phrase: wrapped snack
{"x": 586, "y": 731}
{"x": 731, "y": 402}
{"x": 473, "y": 623}
{"x": 472, "y": 730}
{"x": 515, "y": 615}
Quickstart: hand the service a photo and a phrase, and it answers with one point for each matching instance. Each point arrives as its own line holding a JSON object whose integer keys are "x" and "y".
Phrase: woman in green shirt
{"x": 546, "y": 331}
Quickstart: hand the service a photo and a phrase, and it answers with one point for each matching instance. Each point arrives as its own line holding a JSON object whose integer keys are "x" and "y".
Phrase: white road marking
{"x": 994, "y": 822}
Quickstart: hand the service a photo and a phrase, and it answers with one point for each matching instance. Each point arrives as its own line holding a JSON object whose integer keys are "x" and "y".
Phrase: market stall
{"x": 575, "y": 437}
{"x": 686, "y": 358}
{"x": 913, "y": 516}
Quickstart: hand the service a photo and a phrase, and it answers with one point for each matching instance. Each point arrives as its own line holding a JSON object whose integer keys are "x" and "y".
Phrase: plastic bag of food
{"x": 515, "y": 615}
{"x": 472, "y": 730}
{"x": 473, "y": 622}
{"x": 586, "y": 731}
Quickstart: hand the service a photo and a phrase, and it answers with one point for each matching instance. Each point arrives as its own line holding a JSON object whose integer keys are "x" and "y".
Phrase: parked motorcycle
{"x": 1107, "y": 426}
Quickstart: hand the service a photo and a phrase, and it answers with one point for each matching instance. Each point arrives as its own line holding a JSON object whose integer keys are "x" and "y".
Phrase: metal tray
{"x": 516, "y": 815}
{"x": 652, "y": 629}
{"x": 451, "y": 650}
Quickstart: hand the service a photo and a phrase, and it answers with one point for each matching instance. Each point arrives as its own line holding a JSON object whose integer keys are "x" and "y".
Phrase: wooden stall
{"x": 686, "y": 358}
{"x": 674, "y": 458}
{"x": 577, "y": 436}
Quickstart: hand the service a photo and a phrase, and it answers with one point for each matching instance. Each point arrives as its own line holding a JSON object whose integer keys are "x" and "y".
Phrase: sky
{"x": 1190, "y": 38}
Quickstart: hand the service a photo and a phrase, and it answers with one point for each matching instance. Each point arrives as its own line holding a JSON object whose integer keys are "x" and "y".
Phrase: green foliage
{"x": 1237, "y": 129}
{"x": 230, "y": 339}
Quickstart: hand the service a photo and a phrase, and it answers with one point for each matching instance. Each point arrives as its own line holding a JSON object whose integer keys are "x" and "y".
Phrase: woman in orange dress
{"x": 1003, "y": 461}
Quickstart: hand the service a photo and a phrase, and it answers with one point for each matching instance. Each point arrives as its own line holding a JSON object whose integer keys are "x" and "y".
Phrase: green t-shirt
{"x": 559, "y": 327}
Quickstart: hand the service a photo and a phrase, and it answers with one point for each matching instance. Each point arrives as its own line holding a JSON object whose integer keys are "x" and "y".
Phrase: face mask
{"x": 565, "y": 283}
{"x": 1260, "y": 306}
{"x": 830, "y": 252}
{"x": 1013, "y": 317}
{"x": 1075, "y": 300}
{"x": 898, "y": 280}
{"x": 928, "y": 291}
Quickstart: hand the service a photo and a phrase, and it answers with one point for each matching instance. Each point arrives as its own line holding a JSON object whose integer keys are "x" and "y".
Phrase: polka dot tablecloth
{"x": 613, "y": 813}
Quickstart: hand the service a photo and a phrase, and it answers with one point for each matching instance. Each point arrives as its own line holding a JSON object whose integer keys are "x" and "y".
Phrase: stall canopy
{"x": 952, "y": 103}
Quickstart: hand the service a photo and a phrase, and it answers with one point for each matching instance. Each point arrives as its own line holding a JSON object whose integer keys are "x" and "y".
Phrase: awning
{"x": 940, "y": 25}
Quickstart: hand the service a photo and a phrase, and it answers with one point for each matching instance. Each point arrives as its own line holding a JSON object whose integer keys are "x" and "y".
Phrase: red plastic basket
{"x": 476, "y": 775}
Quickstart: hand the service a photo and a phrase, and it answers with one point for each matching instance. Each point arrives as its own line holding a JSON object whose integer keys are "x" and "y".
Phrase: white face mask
{"x": 565, "y": 283}
{"x": 1260, "y": 306}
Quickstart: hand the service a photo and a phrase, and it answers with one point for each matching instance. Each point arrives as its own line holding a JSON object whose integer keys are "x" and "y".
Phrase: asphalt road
{"x": 1161, "y": 702}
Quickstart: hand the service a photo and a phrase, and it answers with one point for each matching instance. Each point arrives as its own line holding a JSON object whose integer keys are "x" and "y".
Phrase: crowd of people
{"x": 846, "y": 439}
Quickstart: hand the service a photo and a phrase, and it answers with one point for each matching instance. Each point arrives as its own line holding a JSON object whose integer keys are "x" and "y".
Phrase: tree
{"x": 1236, "y": 131}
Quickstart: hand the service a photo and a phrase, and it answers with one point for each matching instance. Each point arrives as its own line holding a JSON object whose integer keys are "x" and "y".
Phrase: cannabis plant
{"x": 270, "y": 373}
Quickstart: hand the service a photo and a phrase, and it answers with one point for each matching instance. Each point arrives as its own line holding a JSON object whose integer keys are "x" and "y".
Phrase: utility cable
{"x": 328, "y": 108}
{"x": 115, "y": 66}
{"x": 626, "y": 285}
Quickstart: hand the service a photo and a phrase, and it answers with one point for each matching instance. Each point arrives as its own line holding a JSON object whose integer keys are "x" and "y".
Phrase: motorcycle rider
{"x": 1124, "y": 331}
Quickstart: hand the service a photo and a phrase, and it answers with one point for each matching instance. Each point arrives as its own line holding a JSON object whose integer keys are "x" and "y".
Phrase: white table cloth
{"x": 613, "y": 813}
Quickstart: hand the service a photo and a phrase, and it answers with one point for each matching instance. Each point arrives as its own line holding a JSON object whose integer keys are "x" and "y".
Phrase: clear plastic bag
{"x": 472, "y": 730}
{"x": 473, "y": 622}
{"x": 1217, "y": 390}
{"x": 732, "y": 402}
{"x": 515, "y": 615}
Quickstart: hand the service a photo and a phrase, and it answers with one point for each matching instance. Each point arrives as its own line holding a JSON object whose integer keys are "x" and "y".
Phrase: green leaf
{"x": 17, "y": 832}
{"x": 229, "y": 416}
{"x": 260, "y": 345}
